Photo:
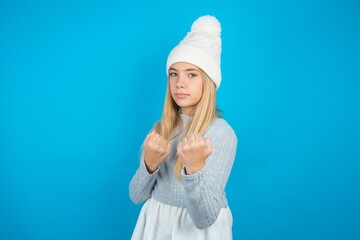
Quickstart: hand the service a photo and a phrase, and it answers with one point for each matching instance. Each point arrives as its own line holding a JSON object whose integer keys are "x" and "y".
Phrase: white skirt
{"x": 159, "y": 221}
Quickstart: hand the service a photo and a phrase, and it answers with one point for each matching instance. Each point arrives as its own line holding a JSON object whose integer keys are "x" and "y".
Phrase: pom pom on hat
{"x": 208, "y": 24}
{"x": 200, "y": 47}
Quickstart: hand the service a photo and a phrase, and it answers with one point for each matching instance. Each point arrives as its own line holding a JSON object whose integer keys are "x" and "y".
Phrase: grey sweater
{"x": 202, "y": 193}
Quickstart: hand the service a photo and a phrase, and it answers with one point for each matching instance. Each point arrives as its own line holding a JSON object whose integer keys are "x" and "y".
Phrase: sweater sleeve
{"x": 206, "y": 188}
{"x": 142, "y": 183}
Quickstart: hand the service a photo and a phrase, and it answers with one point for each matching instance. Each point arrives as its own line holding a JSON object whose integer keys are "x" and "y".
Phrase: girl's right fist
{"x": 156, "y": 149}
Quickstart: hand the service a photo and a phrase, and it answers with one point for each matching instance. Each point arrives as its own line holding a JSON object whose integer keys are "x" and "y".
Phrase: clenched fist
{"x": 192, "y": 151}
{"x": 156, "y": 149}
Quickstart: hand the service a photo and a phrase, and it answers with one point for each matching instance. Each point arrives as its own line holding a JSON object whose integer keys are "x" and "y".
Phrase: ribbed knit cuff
{"x": 192, "y": 183}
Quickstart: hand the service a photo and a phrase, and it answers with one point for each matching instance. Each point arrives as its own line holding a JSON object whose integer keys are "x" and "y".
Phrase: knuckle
{"x": 178, "y": 149}
{"x": 186, "y": 147}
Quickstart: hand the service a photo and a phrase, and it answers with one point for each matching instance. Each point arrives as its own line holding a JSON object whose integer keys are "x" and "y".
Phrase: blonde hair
{"x": 203, "y": 114}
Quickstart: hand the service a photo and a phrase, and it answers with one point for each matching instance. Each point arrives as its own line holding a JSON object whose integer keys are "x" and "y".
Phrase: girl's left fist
{"x": 193, "y": 151}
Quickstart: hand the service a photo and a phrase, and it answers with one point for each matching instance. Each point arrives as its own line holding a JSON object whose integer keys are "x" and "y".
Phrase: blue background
{"x": 81, "y": 83}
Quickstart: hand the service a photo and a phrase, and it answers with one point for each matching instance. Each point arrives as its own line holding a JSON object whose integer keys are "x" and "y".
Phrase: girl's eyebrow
{"x": 191, "y": 69}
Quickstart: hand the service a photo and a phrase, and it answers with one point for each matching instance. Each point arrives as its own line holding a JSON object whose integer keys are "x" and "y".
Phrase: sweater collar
{"x": 186, "y": 118}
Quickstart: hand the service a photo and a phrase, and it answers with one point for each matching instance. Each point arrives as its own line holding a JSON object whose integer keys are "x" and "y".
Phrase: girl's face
{"x": 186, "y": 86}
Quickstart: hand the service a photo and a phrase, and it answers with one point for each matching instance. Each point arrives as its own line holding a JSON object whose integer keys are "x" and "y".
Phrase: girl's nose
{"x": 180, "y": 83}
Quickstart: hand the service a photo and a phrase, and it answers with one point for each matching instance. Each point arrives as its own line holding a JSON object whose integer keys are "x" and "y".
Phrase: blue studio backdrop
{"x": 82, "y": 82}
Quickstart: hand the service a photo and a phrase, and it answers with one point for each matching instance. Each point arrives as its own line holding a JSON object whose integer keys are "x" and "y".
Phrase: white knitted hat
{"x": 200, "y": 47}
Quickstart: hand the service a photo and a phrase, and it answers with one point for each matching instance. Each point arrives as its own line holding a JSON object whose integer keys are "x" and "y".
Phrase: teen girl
{"x": 188, "y": 155}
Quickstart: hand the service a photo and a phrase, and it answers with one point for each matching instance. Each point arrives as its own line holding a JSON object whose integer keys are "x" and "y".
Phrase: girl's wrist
{"x": 151, "y": 169}
{"x": 192, "y": 170}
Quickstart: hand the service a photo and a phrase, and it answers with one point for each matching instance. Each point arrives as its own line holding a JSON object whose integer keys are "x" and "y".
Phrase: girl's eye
{"x": 192, "y": 75}
{"x": 172, "y": 74}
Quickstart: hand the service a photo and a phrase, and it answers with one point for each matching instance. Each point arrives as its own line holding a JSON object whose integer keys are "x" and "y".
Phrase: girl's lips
{"x": 181, "y": 95}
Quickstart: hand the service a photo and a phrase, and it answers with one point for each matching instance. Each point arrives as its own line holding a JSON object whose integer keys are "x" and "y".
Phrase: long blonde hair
{"x": 203, "y": 114}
